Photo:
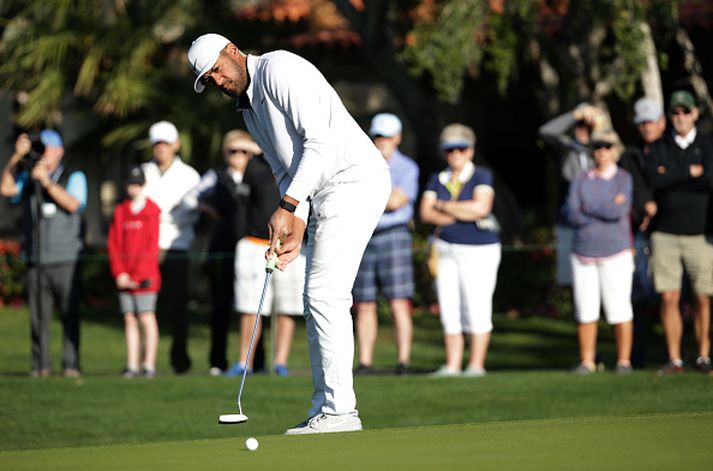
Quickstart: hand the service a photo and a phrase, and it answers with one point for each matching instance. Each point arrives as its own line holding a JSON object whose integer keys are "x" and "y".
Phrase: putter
{"x": 240, "y": 418}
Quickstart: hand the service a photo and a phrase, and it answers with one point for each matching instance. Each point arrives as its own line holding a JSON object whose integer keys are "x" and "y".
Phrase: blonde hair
{"x": 610, "y": 136}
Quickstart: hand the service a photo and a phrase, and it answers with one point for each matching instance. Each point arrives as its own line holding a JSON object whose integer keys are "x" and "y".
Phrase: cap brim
{"x": 198, "y": 85}
{"x": 455, "y": 145}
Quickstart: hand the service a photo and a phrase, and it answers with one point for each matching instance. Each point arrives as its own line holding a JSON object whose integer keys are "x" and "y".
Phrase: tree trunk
{"x": 651, "y": 75}
{"x": 695, "y": 71}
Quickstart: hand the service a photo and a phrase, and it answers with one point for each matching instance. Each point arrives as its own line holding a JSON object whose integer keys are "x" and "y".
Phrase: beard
{"x": 230, "y": 89}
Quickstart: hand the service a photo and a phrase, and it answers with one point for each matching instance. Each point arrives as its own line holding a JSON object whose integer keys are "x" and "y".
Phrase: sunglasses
{"x": 680, "y": 112}
{"x": 235, "y": 151}
{"x": 454, "y": 149}
{"x": 602, "y": 145}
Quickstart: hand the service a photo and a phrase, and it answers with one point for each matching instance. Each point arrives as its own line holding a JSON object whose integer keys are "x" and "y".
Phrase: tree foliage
{"x": 593, "y": 45}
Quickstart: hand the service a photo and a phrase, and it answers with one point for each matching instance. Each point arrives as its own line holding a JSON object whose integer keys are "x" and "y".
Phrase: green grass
{"x": 632, "y": 443}
{"x": 529, "y": 412}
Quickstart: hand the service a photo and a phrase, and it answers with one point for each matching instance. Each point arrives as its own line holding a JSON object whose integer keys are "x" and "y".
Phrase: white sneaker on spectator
{"x": 474, "y": 372}
{"x": 327, "y": 423}
{"x": 445, "y": 371}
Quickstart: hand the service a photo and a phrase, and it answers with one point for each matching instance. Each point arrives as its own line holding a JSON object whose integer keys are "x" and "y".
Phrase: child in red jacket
{"x": 133, "y": 257}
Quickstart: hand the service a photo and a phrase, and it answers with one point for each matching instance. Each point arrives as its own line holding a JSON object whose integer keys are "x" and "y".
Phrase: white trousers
{"x": 342, "y": 220}
{"x": 606, "y": 282}
{"x": 466, "y": 280}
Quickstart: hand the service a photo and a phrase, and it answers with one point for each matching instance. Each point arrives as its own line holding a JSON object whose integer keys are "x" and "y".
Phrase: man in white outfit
{"x": 328, "y": 172}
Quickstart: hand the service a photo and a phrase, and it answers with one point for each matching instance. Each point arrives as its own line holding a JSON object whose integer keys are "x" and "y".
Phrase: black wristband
{"x": 287, "y": 206}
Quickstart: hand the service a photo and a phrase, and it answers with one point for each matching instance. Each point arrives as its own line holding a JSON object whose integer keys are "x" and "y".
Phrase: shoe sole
{"x": 310, "y": 431}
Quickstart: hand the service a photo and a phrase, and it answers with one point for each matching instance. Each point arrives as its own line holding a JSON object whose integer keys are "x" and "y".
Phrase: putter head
{"x": 230, "y": 419}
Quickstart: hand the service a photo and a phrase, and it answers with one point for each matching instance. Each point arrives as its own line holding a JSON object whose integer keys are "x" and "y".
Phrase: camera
{"x": 145, "y": 283}
{"x": 36, "y": 150}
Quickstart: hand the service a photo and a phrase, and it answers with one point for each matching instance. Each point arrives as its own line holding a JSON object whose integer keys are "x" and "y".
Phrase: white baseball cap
{"x": 385, "y": 124}
{"x": 646, "y": 109}
{"x": 203, "y": 55}
{"x": 163, "y": 131}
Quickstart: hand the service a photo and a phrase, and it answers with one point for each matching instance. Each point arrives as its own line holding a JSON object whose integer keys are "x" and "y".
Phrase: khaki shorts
{"x": 671, "y": 253}
{"x": 284, "y": 293}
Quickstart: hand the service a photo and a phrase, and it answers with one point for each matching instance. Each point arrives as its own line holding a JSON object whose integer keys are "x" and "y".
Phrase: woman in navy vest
{"x": 458, "y": 201}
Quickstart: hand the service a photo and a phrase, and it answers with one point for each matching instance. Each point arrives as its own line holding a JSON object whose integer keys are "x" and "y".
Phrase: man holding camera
{"x": 53, "y": 198}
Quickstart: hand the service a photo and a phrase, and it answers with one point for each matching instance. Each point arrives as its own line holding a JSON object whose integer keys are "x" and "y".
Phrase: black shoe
{"x": 703, "y": 365}
{"x": 670, "y": 368}
{"x": 402, "y": 369}
{"x": 364, "y": 370}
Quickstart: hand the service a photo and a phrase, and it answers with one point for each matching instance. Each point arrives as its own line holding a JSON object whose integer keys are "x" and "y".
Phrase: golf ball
{"x": 251, "y": 444}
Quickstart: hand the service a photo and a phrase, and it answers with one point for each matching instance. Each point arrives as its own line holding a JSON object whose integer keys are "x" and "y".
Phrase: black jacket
{"x": 682, "y": 200}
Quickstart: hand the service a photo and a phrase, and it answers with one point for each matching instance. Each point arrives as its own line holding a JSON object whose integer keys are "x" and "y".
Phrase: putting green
{"x": 677, "y": 441}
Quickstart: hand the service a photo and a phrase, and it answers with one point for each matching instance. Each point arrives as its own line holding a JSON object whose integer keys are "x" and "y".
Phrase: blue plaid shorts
{"x": 387, "y": 265}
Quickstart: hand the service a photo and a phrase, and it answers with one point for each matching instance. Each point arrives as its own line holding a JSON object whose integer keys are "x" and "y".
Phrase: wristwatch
{"x": 287, "y": 206}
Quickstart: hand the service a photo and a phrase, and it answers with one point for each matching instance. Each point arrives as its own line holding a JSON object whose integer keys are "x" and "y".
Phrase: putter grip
{"x": 272, "y": 263}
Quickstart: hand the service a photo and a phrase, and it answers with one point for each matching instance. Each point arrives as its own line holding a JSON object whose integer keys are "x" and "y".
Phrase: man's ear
{"x": 232, "y": 50}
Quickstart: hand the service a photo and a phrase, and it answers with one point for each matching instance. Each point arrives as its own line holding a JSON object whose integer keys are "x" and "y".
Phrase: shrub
{"x": 12, "y": 273}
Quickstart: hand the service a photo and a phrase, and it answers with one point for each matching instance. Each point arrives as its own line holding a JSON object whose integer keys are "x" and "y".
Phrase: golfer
{"x": 328, "y": 172}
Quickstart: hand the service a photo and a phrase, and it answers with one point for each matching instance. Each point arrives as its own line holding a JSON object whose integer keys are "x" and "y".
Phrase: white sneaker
{"x": 473, "y": 372}
{"x": 327, "y": 423}
{"x": 445, "y": 371}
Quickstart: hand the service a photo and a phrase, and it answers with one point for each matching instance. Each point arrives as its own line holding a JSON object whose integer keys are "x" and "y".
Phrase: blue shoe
{"x": 236, "y": 370}
{"x": 281, "y": 370}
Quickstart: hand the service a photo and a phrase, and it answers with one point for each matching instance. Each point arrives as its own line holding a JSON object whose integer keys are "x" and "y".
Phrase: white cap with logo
{"x": 203, "y": 55}
{"x": 163, "y": 131}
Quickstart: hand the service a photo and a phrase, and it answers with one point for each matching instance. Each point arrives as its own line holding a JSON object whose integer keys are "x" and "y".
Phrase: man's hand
{"x": 289, "y": 230}
{"x": 696, "y": 170}
{"x": 620, "y": 198}
{"x": 22, "y": 147}
{"x": 41, "y": 174}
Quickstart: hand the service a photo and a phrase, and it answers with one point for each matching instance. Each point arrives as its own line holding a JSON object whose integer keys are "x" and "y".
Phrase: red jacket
{"x": 133, "y": 244}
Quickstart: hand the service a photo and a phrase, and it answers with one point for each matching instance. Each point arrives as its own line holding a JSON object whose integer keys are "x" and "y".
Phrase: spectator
{"x": 574, "y": 157}
{"x": 598, "y": 207}
{"x": 387, "y": 263}
{"x": 168, "y": 179}
{"x": 223, "y": 195}
{"x": 133, "y": 257}
{"x": 53, "y": 198}
{"x": 680, "y": 170}
{"x": 650, "y": 123}
{"x": 458, "y": 201}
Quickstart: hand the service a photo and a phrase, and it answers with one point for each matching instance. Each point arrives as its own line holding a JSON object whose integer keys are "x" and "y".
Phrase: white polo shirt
{"x": 167, "y": 190}
{"x": 303, "y": 128}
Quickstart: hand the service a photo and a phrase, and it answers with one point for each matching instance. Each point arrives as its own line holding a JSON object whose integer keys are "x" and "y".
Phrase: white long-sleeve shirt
{"x": 167, "y": 190}
{"x": 306, "y": 134}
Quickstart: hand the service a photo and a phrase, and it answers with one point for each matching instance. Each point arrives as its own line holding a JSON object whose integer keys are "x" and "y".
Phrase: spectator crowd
{"x": 633, "y": 236}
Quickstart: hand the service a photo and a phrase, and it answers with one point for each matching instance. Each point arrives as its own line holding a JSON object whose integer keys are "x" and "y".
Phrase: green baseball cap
{"x": 682, "y": 99}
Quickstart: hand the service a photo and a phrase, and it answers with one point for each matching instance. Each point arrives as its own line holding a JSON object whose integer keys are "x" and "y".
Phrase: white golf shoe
{"x": 327, "y": 423}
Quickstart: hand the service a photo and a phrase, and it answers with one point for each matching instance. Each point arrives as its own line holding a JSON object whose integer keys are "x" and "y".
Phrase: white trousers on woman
{"x": 342, "y": 220}
{"x": 466, "y": 280}
{"x": 606, "y": 282}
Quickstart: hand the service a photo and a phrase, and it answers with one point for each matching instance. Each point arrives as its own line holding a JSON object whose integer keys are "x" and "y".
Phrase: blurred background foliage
{"x": 500, "y": 66}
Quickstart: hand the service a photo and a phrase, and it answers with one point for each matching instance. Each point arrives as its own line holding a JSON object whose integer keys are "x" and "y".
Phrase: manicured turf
{"x": 632, "y": 443}
{"x": 527, "y": 413}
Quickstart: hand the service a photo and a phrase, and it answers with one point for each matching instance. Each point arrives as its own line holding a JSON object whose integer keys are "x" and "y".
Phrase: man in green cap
{"x": 680, "y": 170}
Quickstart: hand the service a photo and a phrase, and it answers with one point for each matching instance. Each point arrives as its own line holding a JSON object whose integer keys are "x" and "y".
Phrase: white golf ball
{"x": 251, "y": 444}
